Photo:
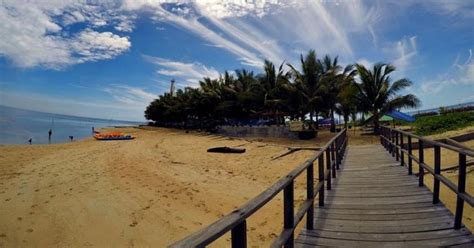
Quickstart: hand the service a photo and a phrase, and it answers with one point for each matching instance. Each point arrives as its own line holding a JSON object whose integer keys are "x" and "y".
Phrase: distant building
{"x": 172, "y": 87}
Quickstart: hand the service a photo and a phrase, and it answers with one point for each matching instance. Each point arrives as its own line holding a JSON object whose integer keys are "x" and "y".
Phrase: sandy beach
{"x": 150, "y": 191}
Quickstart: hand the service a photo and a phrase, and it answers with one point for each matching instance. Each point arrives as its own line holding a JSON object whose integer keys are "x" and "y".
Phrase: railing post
{"x": 393, "y": 142}
{"x": 338, "y": 154}
{"x": 421, "y": 157}
{"x": 461, "y": 189}
{"x": 333, "y": 167}
{"x": 321, "y": 179}
{"x": 382, "y": 130}
{"x": 239, "y": 235}
{"x": 334, "y": 155}
{"x": 384, "y": 135}
{"x": 390, "y": 137}
{"x": 397, "y": 143}
{"x": 328, "y": 167}
{"x": 410, "y": 152}
{"x": 437, "y": 171}
{"x": 402, "y": 155}
{"x": 288, "y": 212}
{"x": 309, "y": 196}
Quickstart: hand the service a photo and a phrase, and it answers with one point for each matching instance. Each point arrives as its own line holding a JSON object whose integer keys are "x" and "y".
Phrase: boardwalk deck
{"x": 375, "y": 203}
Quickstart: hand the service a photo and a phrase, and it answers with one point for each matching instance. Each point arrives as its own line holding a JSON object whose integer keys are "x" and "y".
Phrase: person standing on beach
{"x": 29, "y": 141}
{"x": 49, "y": 135}
{"x": 71, "y": 138}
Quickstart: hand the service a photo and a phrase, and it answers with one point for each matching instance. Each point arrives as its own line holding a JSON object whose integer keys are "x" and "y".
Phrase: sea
{"x": 17, "y": 126}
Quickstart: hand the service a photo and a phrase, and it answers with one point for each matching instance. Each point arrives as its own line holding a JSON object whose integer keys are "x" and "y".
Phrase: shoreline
{"x": 75, "y": 140}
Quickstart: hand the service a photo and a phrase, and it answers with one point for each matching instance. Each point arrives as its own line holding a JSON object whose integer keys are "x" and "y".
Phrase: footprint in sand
{"x": 37, "y": 190}
{"x": 3, "y": 235}
{"x": 8, "y": 199}
{"x": 134, "y": 223}
{"x": 30, "y": 230}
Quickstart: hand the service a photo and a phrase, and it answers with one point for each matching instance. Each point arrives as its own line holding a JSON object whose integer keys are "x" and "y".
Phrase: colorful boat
{"x": 113, "y": 136}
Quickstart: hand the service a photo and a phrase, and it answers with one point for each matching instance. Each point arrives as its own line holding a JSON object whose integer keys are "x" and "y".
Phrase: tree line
{"x": 318, "y": 87}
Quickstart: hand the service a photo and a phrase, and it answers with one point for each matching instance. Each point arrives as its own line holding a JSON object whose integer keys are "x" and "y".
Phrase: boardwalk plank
{"x": 373, "y": 202}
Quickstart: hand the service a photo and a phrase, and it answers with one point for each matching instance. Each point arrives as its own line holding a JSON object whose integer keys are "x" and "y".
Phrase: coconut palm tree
{"x": 377, "y": 94}
{"x": 274, "y": 83}
{"x": 308, "y": 83}
{"x": 347, "y": 102}
{"x": 334, "y": 78}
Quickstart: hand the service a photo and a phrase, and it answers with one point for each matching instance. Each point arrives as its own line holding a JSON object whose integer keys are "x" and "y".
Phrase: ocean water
{"x": 17, "y": 126}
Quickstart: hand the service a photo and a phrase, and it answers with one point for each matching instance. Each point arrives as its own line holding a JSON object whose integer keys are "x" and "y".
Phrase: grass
{"x": 428, "y": 125}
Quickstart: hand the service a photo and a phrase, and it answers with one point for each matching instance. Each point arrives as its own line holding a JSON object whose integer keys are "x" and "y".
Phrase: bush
{"x": 437, "y": 124}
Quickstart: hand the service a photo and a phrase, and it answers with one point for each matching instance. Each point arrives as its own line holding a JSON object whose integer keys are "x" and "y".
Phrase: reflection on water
{"x": 17, "y": 126}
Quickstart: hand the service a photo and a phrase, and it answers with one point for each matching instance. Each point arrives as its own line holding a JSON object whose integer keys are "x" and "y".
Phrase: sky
{"x": 109, "y": 59}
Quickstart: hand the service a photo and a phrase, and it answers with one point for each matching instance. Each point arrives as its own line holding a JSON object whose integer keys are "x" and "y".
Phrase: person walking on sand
{"x": 71, "y": 138}
{"x": 29, "y": 141}
{"x": 49, "y": 135}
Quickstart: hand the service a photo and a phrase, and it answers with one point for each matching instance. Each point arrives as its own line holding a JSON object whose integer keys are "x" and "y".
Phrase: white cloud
{"x": 91, "y": 45}
{"x": 33, "y": 33}
{"x": 189, "y": 72}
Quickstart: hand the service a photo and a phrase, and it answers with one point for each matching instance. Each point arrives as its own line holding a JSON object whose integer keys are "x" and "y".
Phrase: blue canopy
{"x": 400, "y": 116}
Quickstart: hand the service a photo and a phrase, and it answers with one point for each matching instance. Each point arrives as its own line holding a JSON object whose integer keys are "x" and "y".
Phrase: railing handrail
{"x": 394, "y": 143}
{"x": 434, "y": 142}
{"x": 225, "y": 224}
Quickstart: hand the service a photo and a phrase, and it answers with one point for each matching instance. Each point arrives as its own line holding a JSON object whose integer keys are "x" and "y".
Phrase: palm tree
{"x": 334, "y": 78}
{"x": 378, "y": 95}
{"x": 308, "y": 83}
{"x": 347, "y": 102}
{"x": 274, "y": 84}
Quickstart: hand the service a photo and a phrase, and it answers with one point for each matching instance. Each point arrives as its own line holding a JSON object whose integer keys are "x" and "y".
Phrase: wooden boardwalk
{"x": 374, "y": 203}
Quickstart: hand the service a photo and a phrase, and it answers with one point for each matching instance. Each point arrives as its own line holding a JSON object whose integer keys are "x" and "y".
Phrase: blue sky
{"x": 109, "y": 59}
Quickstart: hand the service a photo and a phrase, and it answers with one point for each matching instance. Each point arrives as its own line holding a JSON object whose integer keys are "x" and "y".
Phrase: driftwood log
{"x": 226, "y": 149}
{"x": 295, "y": 149}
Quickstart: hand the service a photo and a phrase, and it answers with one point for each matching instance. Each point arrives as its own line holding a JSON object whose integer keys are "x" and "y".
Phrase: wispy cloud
{"x": 459, "y": 74}
{"x": 191, "y": 73}
{"x": 402, "y": 53}
{"x": 132, "y": 96}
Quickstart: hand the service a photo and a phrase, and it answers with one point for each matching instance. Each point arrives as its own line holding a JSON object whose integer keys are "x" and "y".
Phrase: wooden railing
{"x": 329, "y": 158}
{"x": 394, "y": 141}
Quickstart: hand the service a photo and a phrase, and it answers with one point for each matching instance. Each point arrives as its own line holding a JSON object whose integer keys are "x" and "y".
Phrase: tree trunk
{"x": 333, "y": 122}
{"x": 376, "y": 122}
{"x": 311, "y": 120}
{"x": 346, "y": 120}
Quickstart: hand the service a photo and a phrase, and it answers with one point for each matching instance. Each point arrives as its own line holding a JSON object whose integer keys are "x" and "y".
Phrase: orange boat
{"x": 113, "y": 136}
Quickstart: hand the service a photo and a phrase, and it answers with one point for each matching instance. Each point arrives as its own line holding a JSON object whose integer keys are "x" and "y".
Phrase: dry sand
{"x": 147, "y": 192}
{"x": 154, "y": 190}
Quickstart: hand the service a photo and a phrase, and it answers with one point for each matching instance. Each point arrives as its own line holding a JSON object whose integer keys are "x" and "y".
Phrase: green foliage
{"x": 318, "y": 87}
{"x": 427, "y": 125}
{"x": 378, "y": 94}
